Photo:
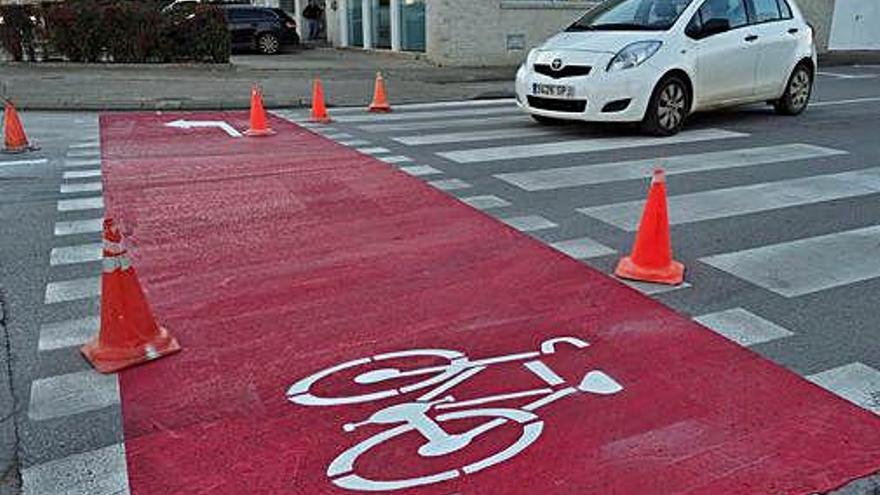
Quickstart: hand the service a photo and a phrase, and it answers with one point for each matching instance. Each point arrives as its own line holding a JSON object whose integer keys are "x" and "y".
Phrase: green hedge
{"x": 126, "y": 31}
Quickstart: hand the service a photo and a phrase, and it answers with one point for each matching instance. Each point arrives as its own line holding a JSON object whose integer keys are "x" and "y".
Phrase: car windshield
{"x": 631, "y": 15}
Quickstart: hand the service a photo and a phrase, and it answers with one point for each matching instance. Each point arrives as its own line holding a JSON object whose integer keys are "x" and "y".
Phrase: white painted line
{"x": 354, "y": 142}
{"x": 99, "y": 472}
{"x": 338, "y": 136}
{"x": 74, "y": 393}
{"x": 82, "y": 174}
{"x": 448, "y": 124}
{"x": 72, "y": 290}
{"x": 485, "y": 202}
{"x": 93, "y": 203}
{"x": 19, "y": 163}
{"x": 325, "y": 130}
{"x": 396, "y": 159}
{"x": 86, "y": 144}
{"x": 406, "y": 107}
{"x": 84, "y": 153}
{"x": 79, "y": 187}
{"x": 396, "y": 117}
{"x": 449, "y": 184}
{"x": 420, "y": 170}
{"x": 572, "y": 146}
{"x": 582, "y": 175}
{"x": 832, "y": 103}
{"x": 373, "y": 151}
{"x": 837, "y": 75}
{"x": 82, "y": 163}
{"x": 650, "y": 289}
{"x": 79, "y": 226}
{"x": 83, "y": 253}
{"x": 743, "y": 327}
{"x": 465, "y": 137}
{"x": 743, "y": 200}
{"x": 529, "y": 223}
{"x": 582, "y": 248}
{"x": 68, "y": 333}
{"x": 804, "y": 266}
{"x": 856, "y": 382}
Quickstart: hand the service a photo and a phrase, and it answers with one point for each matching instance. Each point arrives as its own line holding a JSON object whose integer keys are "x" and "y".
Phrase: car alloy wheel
{"x": 671, "y": 106}
{"x": 799, "y": 89}
{"x": 268, "y": 44}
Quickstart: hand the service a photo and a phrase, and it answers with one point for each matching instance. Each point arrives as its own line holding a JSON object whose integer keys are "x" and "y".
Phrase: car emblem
{"x": 556, "y": 64}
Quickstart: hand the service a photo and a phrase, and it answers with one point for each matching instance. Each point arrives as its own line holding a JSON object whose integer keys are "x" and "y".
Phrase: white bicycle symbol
{"x": 413, "y": 415}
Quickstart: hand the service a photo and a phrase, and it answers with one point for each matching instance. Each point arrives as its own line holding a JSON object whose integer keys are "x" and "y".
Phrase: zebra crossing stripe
{"x": 102, "y": 471}
{"x": 420, "y": 170}
{"x": 743, "y": 327}
{"x": 93, "y": 203}
{"x": 73, "y": 393}
{"x": 72, "y": 290}
{"x": 82, "y": 253}
{"x": 485, "y": 202}
{"x": 424, "y": 115}
{"x": 18, "y": 163}
{"x": 573, "y": 146}
{"x": 855, "y": 382}
{"x": 71, "y": 188}
{"x": 68, "y": 333}
{"x": 78, "y": 226}
{"x": 465, "y": 137}
{"x": 529, "y": 223}
{"x": 82, "y": 174}
{"x": 804, "y": 266}
{"x": 754, "y": 198}
{"x": 582, "y": 175}
{"x": 452, "y": 123}
{"x": 82, "y": 163}
{"x": 582, "y": 248}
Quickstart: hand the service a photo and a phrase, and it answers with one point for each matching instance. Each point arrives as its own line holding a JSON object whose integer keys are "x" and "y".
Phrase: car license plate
{"x": 553, "y": 90}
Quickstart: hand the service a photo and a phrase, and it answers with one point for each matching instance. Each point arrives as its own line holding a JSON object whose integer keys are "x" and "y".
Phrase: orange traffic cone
{"x": 129, "y": 334}
{"x": 259, "y": 125}
{"x": 380, "y": 101}
{"x": 14, "y": 138}
{"x": 319, "y": 109}
{"x": 651, "y": 258}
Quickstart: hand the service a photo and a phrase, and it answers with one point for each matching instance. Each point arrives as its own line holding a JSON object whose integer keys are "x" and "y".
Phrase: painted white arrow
{"x": 190, "y": 124}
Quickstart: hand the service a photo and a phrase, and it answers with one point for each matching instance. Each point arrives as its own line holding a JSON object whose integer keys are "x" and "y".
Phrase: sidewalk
{"x": 286, "y": 79}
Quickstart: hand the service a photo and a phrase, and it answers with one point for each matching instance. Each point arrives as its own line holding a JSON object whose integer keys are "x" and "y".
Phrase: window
{"x": 785, "y": 9}
{"x": 631, "y": 15}
{"x": 732, "y": 11}
{"x": 766, "y": 10}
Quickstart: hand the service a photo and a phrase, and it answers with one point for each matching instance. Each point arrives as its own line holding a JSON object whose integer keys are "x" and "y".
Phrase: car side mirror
{"x": 714, "y": 26}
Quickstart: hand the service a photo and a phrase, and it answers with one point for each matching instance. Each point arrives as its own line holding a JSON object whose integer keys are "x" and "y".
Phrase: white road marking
{"x": 74, "y": 393}
{"x": 650, "y": 289}
{"x": 395, "y": 117}
{"x": 83, "y": 153}
{"x": 99, "y": 472}
{"x": 872, "y": 99}
{"x": 373, "y": 151}
{"x": 19, "y": 163}
{"x": 571, "y": 146}
{"x": 82, "y": 174}
{"x": 79, "y": 187}
{"x": 72, "y": 290}
{"x": 92, "y": 162}
{"x": 446, "y": 124}
{"x": 191, "y": 124}
{"x": 396, "y": 159}
{"x": 79, "y": 226}
{"x": 449, "y": 184}
{"x": 485, "y": 202}
{"x": 325, "y": 130}
{"x": 529, "y": 223}
{"x": 855, "y": 382}
{"x": 354, "y": 142}
{"x": 420, "y": 170}
{"x": 743, "y": 327}
{"x": 93, "y": 203}
{"x": 582, "y": 248}
{"x": 86, "y": 144}
{"x": 465, "y": 137}
{"x": 804, "y": 266}
{"x": 838, "y": 75}
{"x": 338, "y": 136}
{"x": 83, "y": 253}
{"x": 68, "y": 333}
{"x": 755, "y": 198}
{"x": 582, "y": 175}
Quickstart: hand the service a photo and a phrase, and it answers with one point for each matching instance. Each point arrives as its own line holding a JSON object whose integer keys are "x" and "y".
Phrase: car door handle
{"x": 793, "y": 31}
{"x": 751, "y": 37}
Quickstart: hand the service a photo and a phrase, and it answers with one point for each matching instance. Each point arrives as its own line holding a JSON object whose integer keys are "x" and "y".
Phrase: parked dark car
{"x": 260, "y": 28}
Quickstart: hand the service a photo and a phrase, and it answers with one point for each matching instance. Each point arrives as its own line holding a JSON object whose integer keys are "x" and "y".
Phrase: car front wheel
{"x": 797, "y": 92}
{"x": 268, "y": 44}
{"x": 668, "y": 107}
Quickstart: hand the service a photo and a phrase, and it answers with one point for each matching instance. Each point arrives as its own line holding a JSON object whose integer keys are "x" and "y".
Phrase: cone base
{"x": 672, "y": 274}
{"x": 259, "y": 132}
{"x": 320, "y": 120}
{"x": 379, "y": 109}
{"x": 10, "y": 150}
{"x": 110, "y": 360}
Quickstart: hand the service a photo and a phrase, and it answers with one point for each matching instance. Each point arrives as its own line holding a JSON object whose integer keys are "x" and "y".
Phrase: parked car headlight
{"x": 633, "y": 55}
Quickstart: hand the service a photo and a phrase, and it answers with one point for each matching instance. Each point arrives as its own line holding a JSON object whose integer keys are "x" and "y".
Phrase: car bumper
{"x": 598, "y": 97}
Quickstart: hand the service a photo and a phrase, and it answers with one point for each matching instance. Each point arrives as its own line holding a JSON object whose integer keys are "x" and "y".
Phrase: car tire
{"x": 668, "y": 108}
{"x": 798, "y": 90}
{"x": 548, "y": 120}
{"x": 268, "y": 44}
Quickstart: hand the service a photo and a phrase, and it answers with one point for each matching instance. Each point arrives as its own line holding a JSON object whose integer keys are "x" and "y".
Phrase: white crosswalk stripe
{"x": 79, "y": 187}
{"x": 99, "y": 472}
{"x": 68, "y": 333}
{"x": 20, "y": 163}
{"x": 94, "y": 203}
{"x": 424, "y": 115}
{"x": 743, "y": 327}
{"x": 734, "y": 201}
{"x": 74, "y": 393}
{"x": 582, "y": 248}
{"x": 572, "y": 146}
{"x": 82, "y": 253}
{"x": 855, "y": 382}
{"x": 510, "y": 121}
{"x": 82, "y": 174}
{"x": 78, "y": 226}
{"x": 72, "y": 290}
{"x": 465, "y": 137}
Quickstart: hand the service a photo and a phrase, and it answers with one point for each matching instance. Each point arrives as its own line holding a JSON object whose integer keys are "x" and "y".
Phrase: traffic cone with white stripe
{"x": 259, "y": 123}
{"x": 14, "y": 138}
{"x": 651, "y": 258}
{"x": 380, "y": 99}
{"x": 319, "y": 107}
{"x": 129, "y": 334}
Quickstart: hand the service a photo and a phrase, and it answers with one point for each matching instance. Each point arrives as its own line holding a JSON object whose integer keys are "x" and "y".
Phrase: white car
{"x": 656, "y": 61}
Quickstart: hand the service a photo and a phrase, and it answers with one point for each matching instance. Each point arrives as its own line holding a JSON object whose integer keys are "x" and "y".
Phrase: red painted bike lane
{"x": 347, "y": 329}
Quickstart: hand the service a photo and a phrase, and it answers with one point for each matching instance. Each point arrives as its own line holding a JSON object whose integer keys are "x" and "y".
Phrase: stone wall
{"x": 494, "y": 32}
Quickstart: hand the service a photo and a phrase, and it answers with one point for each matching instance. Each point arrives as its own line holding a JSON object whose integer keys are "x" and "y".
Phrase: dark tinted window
{"x": 243, "y": 14}
{"x": 631, "y": 15}
{"x": 732, "y": 11}
{"x": 784, "y": 9}
{"x": 765, "y": 10}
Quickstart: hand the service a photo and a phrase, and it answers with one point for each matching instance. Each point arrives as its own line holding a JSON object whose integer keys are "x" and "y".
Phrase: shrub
{"x": 18, "y": 30}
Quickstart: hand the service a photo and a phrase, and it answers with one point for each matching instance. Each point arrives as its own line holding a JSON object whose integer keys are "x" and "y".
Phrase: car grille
{"x": 567, "y": 71}
{"x": 557, "y": 105}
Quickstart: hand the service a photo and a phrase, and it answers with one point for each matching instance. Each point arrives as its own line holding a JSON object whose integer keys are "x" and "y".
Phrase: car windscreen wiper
{"x": 579, "y": 27}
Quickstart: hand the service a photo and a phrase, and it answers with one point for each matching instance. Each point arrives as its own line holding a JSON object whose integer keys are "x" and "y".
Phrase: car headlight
{"x": 633, "y": 55}
{"x": 530, "y": 59}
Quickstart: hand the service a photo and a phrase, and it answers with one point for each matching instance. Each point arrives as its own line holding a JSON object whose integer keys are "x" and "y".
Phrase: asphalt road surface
{"x": 777, "y": 220}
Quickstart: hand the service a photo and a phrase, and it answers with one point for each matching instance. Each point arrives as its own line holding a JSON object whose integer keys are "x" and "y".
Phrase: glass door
{"x": 412, "y": 25}
{"x": 381, "y": 12}
{"x": 355, "y": 18}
